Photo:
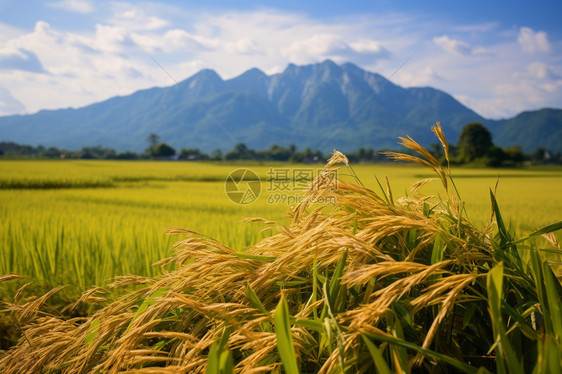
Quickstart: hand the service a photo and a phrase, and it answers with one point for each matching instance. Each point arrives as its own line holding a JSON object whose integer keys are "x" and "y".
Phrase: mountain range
{"x": 322, "y": 106}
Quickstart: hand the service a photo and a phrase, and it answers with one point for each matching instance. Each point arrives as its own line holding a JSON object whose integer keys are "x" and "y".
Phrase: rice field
{"x": 366, "y": 274}
{"x": 80, "y": 223}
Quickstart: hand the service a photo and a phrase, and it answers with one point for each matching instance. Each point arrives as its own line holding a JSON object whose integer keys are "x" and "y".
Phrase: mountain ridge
{"x": 321, "y": 105}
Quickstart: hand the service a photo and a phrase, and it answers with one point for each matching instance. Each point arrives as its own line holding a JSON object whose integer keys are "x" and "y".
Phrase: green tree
{"x": 127, "y": 155}
{"x": 192, "y": 154}
{"x": 240, "y": 152}
{"x": 216, "y": 155}
{"x": 276, "y": 153}
{"x": 293, "y": 149}
{"x": 152, "y": 140}
{"x": 163, "y": 150}
{"x": 515, "y": 154}
{"x": 474, "y": 142}
{"x": 495, "y": 157}
{"x": 540, "y": 155}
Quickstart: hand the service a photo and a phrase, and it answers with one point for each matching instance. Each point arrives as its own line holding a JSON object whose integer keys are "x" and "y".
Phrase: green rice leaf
{"x": 335, "y": 281}
{"x": 213, "y": 360}
{"x": 383, "y": 191}
{"x": 463, "y": 367}
{"x": 226, "y": 363}
{"x": 219, "y": 360}
{"x": 317, "y": 326}
{"x": 145, "y": 304}
{"x": 376, "y": 355}
{"x": 545, "y": 230}
{"x": 284, "y": 339}
{"x": 506, "y": 359}
{"x": 93, "y": 331}
{"x": 505, "y": 238}
{"x": 399, "y": 352}
{"x": 553, "y": 300}
{"x": 254, "y": 299}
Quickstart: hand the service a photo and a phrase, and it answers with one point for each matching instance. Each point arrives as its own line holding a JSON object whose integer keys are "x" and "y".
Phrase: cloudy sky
{"x": 497, "y": 57}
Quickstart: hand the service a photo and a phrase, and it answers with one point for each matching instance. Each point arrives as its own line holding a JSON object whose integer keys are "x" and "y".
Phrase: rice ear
{"x": 438, "y": 130}
{"x": 428, "y": 159}
{"x": 337, "y": 158}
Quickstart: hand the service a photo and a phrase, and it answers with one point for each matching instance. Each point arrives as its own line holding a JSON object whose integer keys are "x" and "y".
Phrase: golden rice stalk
{"x": 438, "y": 130}
{"x": 337, "y": 158}
{"x": 88, "y": 297}
{"x": 386, "y": 269}
{"x": 428, "y": 159}
{"x": 9, "y": 277}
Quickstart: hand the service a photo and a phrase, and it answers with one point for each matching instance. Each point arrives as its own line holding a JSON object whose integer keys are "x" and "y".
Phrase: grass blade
{"x": 284, "y": 339}
{"x": 505, "y": 238}
{"x": 255, "y": 299}
{"x": 145, "y": 304}
{"x": 459, "y": 365}
{"x": 505, "y": 356}
{"x": 266, "y": 326}
{"x": 376, "y": 355}
{"x": 545, "y": 230}
{"x": 93, "y": 331}
{"x": 220, "y": 359}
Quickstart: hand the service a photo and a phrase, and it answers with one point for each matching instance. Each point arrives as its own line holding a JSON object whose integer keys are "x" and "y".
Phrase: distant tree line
{"x": 474, "y": 147}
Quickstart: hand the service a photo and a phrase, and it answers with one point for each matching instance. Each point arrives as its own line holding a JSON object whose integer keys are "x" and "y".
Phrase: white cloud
{"x": 323, "y": 46}
{"x": 424, "y": 76}
{"x": 457, "y": 46}
{"x": 133, "y": 17}
{"x": 369, "y": 46}
{"x": 109, "y": 59}
{"x": 78, "y": 6}
{"x": 8, "y": 32}
{"x": 244, "y": 45}
{"x": 83, "y": 68}
{"x": 313, "y": 47}
{"x": 540, "y": 70}
{"x": 531, "y": 41}
{"x": 9, "y": 104}
{"x": 112, "y": 39}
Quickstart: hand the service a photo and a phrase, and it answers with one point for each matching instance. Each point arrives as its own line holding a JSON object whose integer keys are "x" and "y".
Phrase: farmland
{"x": 333, "y": 281}
{"x": 80, "y": 223}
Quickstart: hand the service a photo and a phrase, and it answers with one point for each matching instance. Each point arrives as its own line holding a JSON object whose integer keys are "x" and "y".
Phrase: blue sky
{"x": 499, "y": 58}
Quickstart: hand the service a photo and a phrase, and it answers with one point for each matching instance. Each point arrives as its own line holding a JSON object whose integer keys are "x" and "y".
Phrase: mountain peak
{"x": 253, "y": 72}
{"x": 322, "y": 105}
{"x": 206, "y": 74}
{"x": 253, "y": 80}
{"x": 328, "y": 63}
{"x": 204, "y": 83}
{"x": 329, "y": 68}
